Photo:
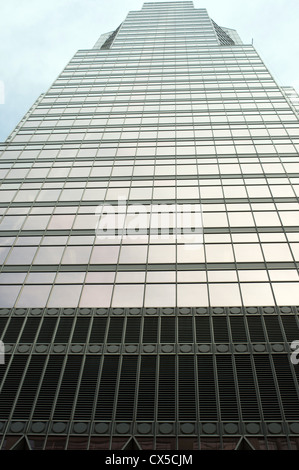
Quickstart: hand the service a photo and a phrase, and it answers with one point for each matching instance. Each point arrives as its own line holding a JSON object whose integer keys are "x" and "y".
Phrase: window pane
{"x": 224, "y": 295}
{"x": 104, "y": 255}
{"x": 96, "y": 296}
{"x": 162, "y": 254}
{"x": 126, "y": 295}
{"x": 8, "y": 295}
{"x": 257, "y": 294}
{"x": 286, "y": 293}
{"x": 162, "y": 295}
{"x": 65, "y": 296}
{"x": 76, "y": 255}
{"x": 192, "y": 295}
{"x": 21, "y": 255}
{"x": 133, "y": 254}
{"x": 34, "y": 296}
{"x": 49, "y": 255}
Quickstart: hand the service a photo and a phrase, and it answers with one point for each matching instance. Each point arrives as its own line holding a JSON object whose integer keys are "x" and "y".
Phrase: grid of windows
{"x": 226, "y": 137}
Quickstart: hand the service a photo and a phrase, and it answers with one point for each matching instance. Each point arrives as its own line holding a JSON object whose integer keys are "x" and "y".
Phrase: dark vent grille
{"x": 227, "y": 392}
{"x": 133, "y": 330}
{"x": 185, "y": 330}
{"x": 220, "y": 330}
{"x": 273, "y": 329}
{"x": 11, "y": 384}
{"x": 3, "y": 322}
{"x": 115, "y": 330}
{"x": 64, "y": 330}
{"x": 30, "y": 330}
{"x": 46, "y": 331}
{"x": 81, "y": 330}
{"x": 98, "y": 330}
{"x": 48, "y": 388}
{"x": 167, "y": 392}
{"x": 168, "y": 330}
{"x": 127, "y": 385}
{"x": 288, "y": 392}
{"x": 150, "y": 330}
{"x": 290, "y": 327}
{"x": 256, "y": 329}
{"x": 266, "y": 388}
{"x": 147, "y": 388}
{"x": 247, "y": 392}
{"x": 206, "y": 388}
{"x": 203, "y": 331}
{"x": 68, "y": 388}
{"x": 87, "y": 390}
{"x": 29, "y": 387}
{"x": 13, "y": 330}
{"x": 238, "y": 330}
{"x": 187, "y": 401}
{"x": 106, "y": 394}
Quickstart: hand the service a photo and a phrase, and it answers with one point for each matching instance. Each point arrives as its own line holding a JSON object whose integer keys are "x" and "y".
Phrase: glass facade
{"x": 149, "y": 246}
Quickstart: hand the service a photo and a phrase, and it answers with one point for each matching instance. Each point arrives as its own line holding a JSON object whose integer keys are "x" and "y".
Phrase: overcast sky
{"x": 38, "y": 38}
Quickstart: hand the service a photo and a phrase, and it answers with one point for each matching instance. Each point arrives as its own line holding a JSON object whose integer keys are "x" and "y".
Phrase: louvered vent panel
{"x": 150, "y": 330}
{"x": 13, "y": 330}
{"x": 68, "y": 388}
{"x": 3, "y": 370}
{"x": 11, "y": 384}
{"x": 48, "y": 388}
{"x": 47, "y": 329}
{"x": 98, "y": 330}
{"x": 273, "y": 329}
{"x": 3, "y": 322}
{"x": 147, "y": 387}
{"x": 29, "y": 387}
{"x": 106, "y": 394}
{"x": 238, "y": 330}
{"x": 30, "y": 329}
{"x": 86, "y": 396}
{"x": 63, "y": 330}
{"x": 81, "y": 330}
{"x": 288, "y": 389}
{"x": 185, "y": 330}
{"x": 115, "y": 330}
{"x": 167, "y": 394}
{"x": 295, "y": 368}
{"x": 206, "y": 389}
{"x": 133, "y": 330}
{"x": 256, "y": 329}
{"x": 127, "y": 386}
{"x": 220, "y": 330}
{"x": 290, "y": 327}
{"x": 246, "y": 386}
{"x": 203, "y": 330}
{"x": 227, "y": 390}
{"x": 186, "y": 393}
{"x": 168, "y": 330}
{"x": 266, "y": 387}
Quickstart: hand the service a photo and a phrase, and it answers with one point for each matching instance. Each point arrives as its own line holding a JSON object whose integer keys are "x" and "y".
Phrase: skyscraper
{"x": 149, "y": 241}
